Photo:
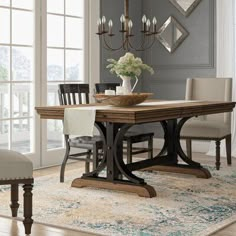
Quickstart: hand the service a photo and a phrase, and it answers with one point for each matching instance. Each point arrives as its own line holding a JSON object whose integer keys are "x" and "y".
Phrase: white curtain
{"x": 226, "y": 55}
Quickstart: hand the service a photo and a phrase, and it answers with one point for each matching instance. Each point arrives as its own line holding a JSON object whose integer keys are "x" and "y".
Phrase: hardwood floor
{"x": 9, "y": 227}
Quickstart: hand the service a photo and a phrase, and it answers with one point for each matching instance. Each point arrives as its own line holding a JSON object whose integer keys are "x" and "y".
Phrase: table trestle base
{"x": 183, "y": 169}
{"x": 144, "y": 190}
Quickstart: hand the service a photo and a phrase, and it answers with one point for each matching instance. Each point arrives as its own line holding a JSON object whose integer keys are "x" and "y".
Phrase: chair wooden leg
{"x": 87, "y": 162}
{"x": 189, "y": 148}
{"x": 14, "y": 200}
{"x": 228, "y": 149}
{"x": 28, "y": 206}
{"x": 95, "y": 156}
{"x": 129, "y": 152}
{"x": 217, "y": 154}
{"x": 150, "y": 147}
{"x": 63, "y": 165}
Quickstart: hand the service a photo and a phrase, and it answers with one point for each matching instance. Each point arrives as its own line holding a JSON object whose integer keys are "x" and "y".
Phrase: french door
{"x": 42, "y": 43}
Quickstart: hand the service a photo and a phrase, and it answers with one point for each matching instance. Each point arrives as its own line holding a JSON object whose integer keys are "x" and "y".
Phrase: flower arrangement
{"x": 128, "y": 65}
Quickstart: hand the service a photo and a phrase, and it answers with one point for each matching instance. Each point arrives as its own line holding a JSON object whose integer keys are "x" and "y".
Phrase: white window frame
{"x": 91, "y": 72}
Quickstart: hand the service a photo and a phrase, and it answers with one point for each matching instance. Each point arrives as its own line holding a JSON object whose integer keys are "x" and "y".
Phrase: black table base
{"x": 119, "y": 175}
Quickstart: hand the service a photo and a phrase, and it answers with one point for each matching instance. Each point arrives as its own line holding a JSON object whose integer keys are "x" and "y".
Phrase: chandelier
{"x": 148, "y": 32}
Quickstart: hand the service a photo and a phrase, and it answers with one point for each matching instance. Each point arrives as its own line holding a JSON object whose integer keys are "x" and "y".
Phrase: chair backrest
{"x": 72, "y": 94}
{"x": 211, "y": 89}
{"x": 101, "y": 87}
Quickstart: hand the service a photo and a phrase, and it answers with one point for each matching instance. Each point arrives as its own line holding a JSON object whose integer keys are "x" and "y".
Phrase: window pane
{"x": 21, "y": 141}
{"x": 4, "y": 134}
{"x": 4, "y": 63}
{"x": 4, "y": 25}
{"x": 22, "y": 100}
{"x": 24, "y": 4}
{"x": 4, "y": 101}
{"x": 74, "y": 33}
{"x": 5, "y": 3}
{"x": 22, "y": 63}
{"x": 22, "y": 27}
{"x": 55, "y": 31}
{"x": 55, "y": 60}
{"x": 54, "y": 134}
{"x": 54, "y": 127}
{"x": 74, "y": 65}
{"x": 55, "y": 6}
{"x": 75, "y": 7}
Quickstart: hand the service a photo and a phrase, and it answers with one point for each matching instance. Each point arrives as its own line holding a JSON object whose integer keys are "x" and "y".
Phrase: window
{"x": 16, "y": 75}
{"x": 42, "y": 44}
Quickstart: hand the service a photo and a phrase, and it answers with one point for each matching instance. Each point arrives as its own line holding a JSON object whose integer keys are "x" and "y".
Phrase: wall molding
{"x": 211, "y": 59}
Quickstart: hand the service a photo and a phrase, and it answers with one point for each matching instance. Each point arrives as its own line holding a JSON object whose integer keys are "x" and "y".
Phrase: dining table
{"x": 113, "y": 122}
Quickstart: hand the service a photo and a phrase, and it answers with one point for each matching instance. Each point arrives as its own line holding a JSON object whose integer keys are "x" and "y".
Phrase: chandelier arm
{"x": 108, "y": 47}
{"x": 142, "y": 46}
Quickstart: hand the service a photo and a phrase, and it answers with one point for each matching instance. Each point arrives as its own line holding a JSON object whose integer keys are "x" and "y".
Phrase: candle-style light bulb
{"x": 130, "y": 25}
{"x": 110, "y": 24}
{"x": 99, "y": 24}
{"x": 122, "y": 20}
{"x": 154, "y": 22}
{"x": 103, "y": 23}
{"x": 103, "y": 19}
{"x": 148, "y": 24}
{"x": 144, "y": 20}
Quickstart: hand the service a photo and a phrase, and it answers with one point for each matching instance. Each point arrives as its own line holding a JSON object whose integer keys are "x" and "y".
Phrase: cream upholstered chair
{"x": 17, "y": 169}
{"x": 211, "y": 127}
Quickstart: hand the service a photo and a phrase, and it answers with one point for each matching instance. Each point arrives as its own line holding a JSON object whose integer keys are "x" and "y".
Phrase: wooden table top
{"x": 144, "y": 113}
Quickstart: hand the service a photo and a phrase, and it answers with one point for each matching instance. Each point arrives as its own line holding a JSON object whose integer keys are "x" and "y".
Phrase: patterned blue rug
{"x": 184, "y": 206}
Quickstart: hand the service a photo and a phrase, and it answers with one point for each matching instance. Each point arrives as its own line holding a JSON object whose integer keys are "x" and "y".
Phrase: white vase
{"x": 126, "y": 84}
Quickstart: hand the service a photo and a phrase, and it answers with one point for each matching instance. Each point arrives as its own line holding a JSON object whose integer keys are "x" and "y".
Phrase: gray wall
{"x": 195, "y": 56}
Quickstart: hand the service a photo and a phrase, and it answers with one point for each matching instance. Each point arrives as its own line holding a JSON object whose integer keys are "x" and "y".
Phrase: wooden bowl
{"x": 122, "y": 100}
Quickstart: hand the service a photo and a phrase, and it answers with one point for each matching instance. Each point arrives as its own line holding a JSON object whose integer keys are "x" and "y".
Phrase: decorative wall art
{"x": 185, "y": 6}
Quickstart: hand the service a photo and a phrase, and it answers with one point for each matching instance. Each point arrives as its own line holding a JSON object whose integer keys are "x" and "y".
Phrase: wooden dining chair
{"x": 130, "y": 137}
{"x": 211, "y": 127}
{"x": 16, "y": 169}
{"x": 72, "y": 94}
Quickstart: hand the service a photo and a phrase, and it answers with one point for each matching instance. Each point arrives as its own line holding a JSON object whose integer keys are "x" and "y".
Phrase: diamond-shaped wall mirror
{"x": 185, "y": 6}
{"x": 172, "y": 34}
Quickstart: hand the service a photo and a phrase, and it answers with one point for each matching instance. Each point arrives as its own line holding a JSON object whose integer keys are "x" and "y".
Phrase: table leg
{"x": 172, "y": 147}
{"x": 116, "y": 168}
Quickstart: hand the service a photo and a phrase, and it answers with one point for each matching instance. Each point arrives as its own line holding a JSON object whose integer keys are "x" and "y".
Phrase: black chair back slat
{"x": 68, "y": 93}
{"x": 101, "y": 87}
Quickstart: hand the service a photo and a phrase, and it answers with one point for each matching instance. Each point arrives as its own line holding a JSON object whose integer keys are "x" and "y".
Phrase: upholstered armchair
{"x": 16, "y": 169}
{"x": 211, "y": 127}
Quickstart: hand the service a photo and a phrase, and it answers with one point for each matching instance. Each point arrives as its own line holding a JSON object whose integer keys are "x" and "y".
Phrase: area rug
{"x": 184, "y": 206}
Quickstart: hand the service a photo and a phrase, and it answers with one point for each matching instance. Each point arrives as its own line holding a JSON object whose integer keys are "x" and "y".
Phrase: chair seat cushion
{"x": 85, "y": 140}
{"x": 14, "y": 165}
{"x": 205, "y": 129}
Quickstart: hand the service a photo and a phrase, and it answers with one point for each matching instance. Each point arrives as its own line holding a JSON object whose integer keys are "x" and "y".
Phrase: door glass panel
{"x": 24, "y": 4}
{"x": 54, "y": 127}
{"x": 55, "y": 8}
{"x": 54, "y": 134}
{"x": 21, "y": 100}
{"x": 22, "y": 27}
{"x": 5, "y": 3}
{"x": 4, "y": 134}
{"x": 75, "y": 7}
{"x": 4, "y": 101}
{"x": 55, "y": 31}
{"x": 74, "y": 65}
{"x": 74, "y": 40}
{"x": 21, "y": 141}
{"x": 22, "y": 63}
{"x": 55, "y": 61}
{"x": 5, "y": 25}
{"x": 4, "y": 63}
